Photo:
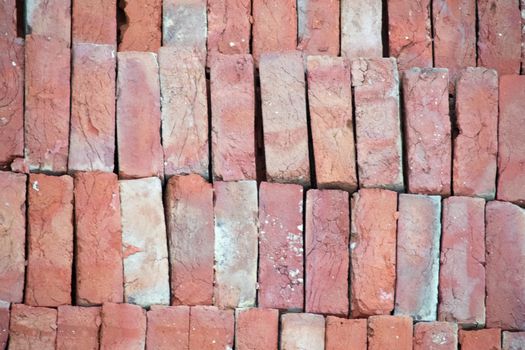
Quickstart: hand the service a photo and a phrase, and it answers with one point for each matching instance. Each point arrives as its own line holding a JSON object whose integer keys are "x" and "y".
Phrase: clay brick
{"x": 233, "y": 117}
{"x": 98, "y": 239}
{"x": 361, "y": 29}
{"x": 13, "y": 237}
{"x": 211, "y": 328}
{"x": 47, "y": 68}
{"x": 505, "y": 256}
{"x": 435, "y": 336}
{"x": 462, "y": 271}
{"x": 229, "y": 25}
{"x": 32, "y": 327}
{"x": 142, "y": 30}
{"x": 4, "y": 324}
{"x": 138, "y": 118}
{"x": 390, "y": 332}
{"x": 330, "y": 103}
{"x": 8, "y": 19}
{"x": 168, "y": 328}
{"x": 326, "y": 245}
{"x": 513, "y": 340}
{"x": 476, "y": 146}
{"x": 123, "y": 327}
{"x": 511, "y": 150}
{"x": 418, "y": 237}
{"x": 235, "y": 243}
{"x": 343, "y": 333}
{"x": 256, "y": 329}
{"x": 78, "y": 327}
{"x": 281, "y": 276}
{"x": 302, "y": 331}
{"x": 484, "y": 339}
{"x": 284, "y": 117}
{"x": 522, "y": 6}
{"x": 50, "y": 227}
{"x": 318, "y": 26}
{"x": 189, "y": 211}
{"x": 51, "y": 19}
{"x": 95, "y": 21}
{"x": 373, "y": 252}
{"x": 377, "y": 122}
{"x": 92, "y": 139}
{"x": 427, "y": 130}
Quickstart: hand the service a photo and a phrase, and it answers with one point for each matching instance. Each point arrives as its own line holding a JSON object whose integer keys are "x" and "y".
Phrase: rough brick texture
{"x": 485, "y": 339}
{"x": 390, "y": 332}
{"x": 256, "y": 329}
{"x": 78, "y": 327}
{"x": 168, "y": 328}
{"x": 51, "y": 19}
{"x": 8, "y": 22}
{"x": 318, "y": 26}
{"x": 123, "y": 327}
{"x": 32, "y": 327}
{"x": 142, "y": 30}
{"x": 229, "y": 25}
{"x": 4, "y": 324}
{"x": 435, "y": 336}
{"x": 211, "y": 328}
{"x": 95, "y": 21}
{"x": 302, "y": 331}
{"x": 513, "y": 340}
{"x": 343, "y": 333}
{"x": 361, "y": 26}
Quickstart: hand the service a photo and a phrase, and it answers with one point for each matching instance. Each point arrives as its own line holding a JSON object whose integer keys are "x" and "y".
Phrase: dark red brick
{"x": 484, "y": 339}
{"x": 256, "y": 329}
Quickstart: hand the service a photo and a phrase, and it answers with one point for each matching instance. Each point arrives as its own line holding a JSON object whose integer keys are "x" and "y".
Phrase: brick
{"x": 484, "y": 339}
{"x": 78, "y": 327}
{"x": 142, "y": 30}
{"x": 211, "y": 328}
{"x": 511, "y": 151}
{"x": 327, "y": 261}
{"x": 8, "y": 21}
{"x": 343, "y": 333}
{"x": 284, "y": 117}
{"x": 302, "y": 331}
{"x": 229, "y": 25}
{"x": 361, "y": 29}
{"x": 373, "y": 252}
{"x": 233, "y": 117}
{"x": 144, "y": 245}
{"x": 505, "y": 254}
{"x": 13, "y": 237}
{"x": 418, "y": 238}
{"x": 462, "y": 270}
{"x": 435, "y": 336}
{"x": 427, "y": 130}
{"x": 92, "y": 135}
{"x": 168, "y": 328}
{"x": 50, "y": 239}
{"x": 476, "y": 145}
{"x": 95, "y": 21}
{"x": 4, "y": 324}
{"x": 377, "y": 122}
{"x": 47, "y": 68}
{"x": 281, "y": 275}
{"x": 499, "y": 42}
{"x": 123, "y": 327}
{"x": 513, "y": 340}
{"x": 50, "y": 19}
{"x": 522, "y": 6}
{"x": 256, "y": 329}
{"x": 189, "y": 210}
{"x": 390, "y": 332}
{"x": 330, "y": 103}
{"x": 138, "y": 119}
{"x": 32, "y": 327}
{"x": 98, "y": 254}
{"x": 235, "y": 243}
{"x": 318, "y": 26}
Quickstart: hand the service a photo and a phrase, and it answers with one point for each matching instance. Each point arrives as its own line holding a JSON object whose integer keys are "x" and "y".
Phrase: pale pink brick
{"x": 211, "y": 328}
{"x": 390, "y": 332}
{"x": 343, "y": 333}
{"x": 50, "y": 19}
{"x": 32, "y": 328}
{"x": 229, "y": 25}
{"x": 78, "y": 327}
{"x": 95, "y": 21}
{"x": 142, "y": 30}
{"x": 318, "y": 26}
{"x": 361, "y": 29}
{"x": 513, "y": 340}
{"x": 435, "y": 336}
{"x": 302, "y": 331}
{"x": 168, "y": 328}
{"x": 184, "y": 25}
{"x": 484, "y": 339}
{"x": 123, "y": 327}
{"x": 256, "y": 329}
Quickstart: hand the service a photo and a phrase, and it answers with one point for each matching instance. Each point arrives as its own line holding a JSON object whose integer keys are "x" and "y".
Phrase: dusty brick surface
{"x": 95, "y": 21}
{"x": 256, "y": 329}
{"x": 485, "y": 339}
{"x": 513, "y": 340}
{"x": 92, "y": 135}
{"x": 50, "y": 240}
{"x": 361, "y": 26}
{"x": 8, "y": 21}
{"x": 330, "y": 103}
{"x": 476, "y": 146}
{"x": 98, "y": 239}
{"x": 142, "y": 30}
{"x": 78, "y": 327}
{"x": 211, "y": 328}
{"x": 462, "y": 270}
{"x": 302, "y": 331}
{"x": 50, "y": 19}
{"x": 373, "y": 252}
{"x": 343, "y": 333}
{"x": 123, "y": 327}
{"x": 32, "y": 327}
{"x": 189, "y": 218}
{"x": 390, "y": 332}
{"x": 318, "y": 26}
{"x": 327, "y": 233}
{"x": 229, "y": 26}
{"x": 168, "y": 328}
{"x": 435, "y": 336}
{"x": 4, "y": 324}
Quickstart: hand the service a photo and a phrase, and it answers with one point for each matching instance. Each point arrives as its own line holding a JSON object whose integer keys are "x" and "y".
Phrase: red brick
{"x": 233, "y": 117}
{"x": 32, "y": 327}
{"x": 284, "y": 117}
{"x": 50, "y": 227}
{"x": 361, "y": 29}
{"x": 78, "y": 327}
{"x": 390, "y": 332}
{"x": 511, "y": 150}
{"x": 505, "y": 256}
{"x": 485, "y": 339}
{"x": 318, "y": 26}
{"x": 302, "y": 331}
{"x": 256, "y": 329}
{"x": 462, "y": 271}
{"x": 377, "y": 121}
{"x": 142, "y": 30}
{"x": 8, "y": 21}
{"x": 138, "y": 118}
{"x": 211, "y": 328}
{"x": 513, "y": 340}
{"x": 330, "y": 103}
{"x": 95, "y": 21}
{"x": 427, "y": 130}
{"x": 98, "y": 239}
{"x": 229, "y": 26}
{"x": 476, "y": 146}
{"x": 189, "y": 217}
{"x": 92, "y": 139}
{"x": 47, "y": 114}
{"x": 522, "y": 6}
{"x": 50, "y": 19}
{"x": 373, "y": 252}
{"x": 4, "y": 324}
{"x": 184, "y": 112}
{"x": 327, "y": 261}
{"x": 168, "y": 328}
{"x": 123, "y": 327}
{"x": 343, "y": 334}
{"x": 435, "y": 336}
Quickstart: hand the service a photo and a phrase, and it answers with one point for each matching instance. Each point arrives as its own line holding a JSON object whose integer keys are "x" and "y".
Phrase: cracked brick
{"x": 123, "y": 327}
{"x": 390, "y": 332}
{"x": 142, "y": 30}
{"x": 95, "y": 21}
{"x": 32, "y": 327}
{"x": 489, "y": 339}
{"x": 302, "y": 331}
{"x": 343, "y": 333}
{"x": 211, "y": 328}
{"x": 318, "y": 26}
{"x": 435, "y": 336}
{"x": 361, "y": 29}
{"x": 168, "y": 328}
{"x": 256, "y": 329}
{"x": 78, "y": 327}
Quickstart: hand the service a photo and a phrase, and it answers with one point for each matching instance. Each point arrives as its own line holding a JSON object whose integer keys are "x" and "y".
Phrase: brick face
{"x": 95, "y": 21}
{"x": 435, "y": 336}
{"x": 51, "y": 19}
{"x": 168, "y": 328}
{"x": 4, "y": 324}
{"x": 302, "y": 331}
{"x": 123, "y": 327}
{"x": 8, "y": 21}
{"x": 480, "y": 339}
{"x": 390, "y": 332}
{"x": 342, "y": 333}
{"x": 318, "y": 26}
{"x": 142, "y": 30}
{"x": 513, "y": 340}
{"x": 211, "y": 328}
{"x": 361, "y": 26}
{"x": 32, "y": 327}
{"x": 229, "y": 26}
{"x": 256, "y": 329}
{"x": 78, "y": 327}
